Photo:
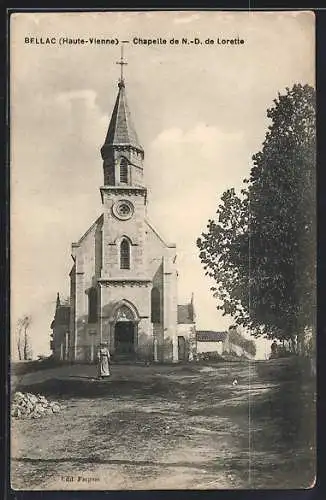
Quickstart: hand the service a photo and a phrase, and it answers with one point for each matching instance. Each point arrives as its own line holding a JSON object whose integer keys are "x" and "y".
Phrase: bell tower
{"x": 124, "y": 283}
{"x": 124, "y": 195}
{"x": 121, "y": 152}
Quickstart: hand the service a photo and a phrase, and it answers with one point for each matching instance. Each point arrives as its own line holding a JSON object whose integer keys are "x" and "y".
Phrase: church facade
{"x": 123, "y": 282}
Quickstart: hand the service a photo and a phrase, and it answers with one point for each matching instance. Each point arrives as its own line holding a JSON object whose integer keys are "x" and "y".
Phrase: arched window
{"x": 124, "y": 171}
{"x": 156, "y": 306}
{"x": 92, "y": 305}
{"x": 125, "y": 254}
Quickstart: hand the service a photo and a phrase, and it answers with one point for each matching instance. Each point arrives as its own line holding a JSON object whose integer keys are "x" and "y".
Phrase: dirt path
{"x": 181, "y": 468}
{"x": 192, "y": 462}
{"x": 177, "y": 427}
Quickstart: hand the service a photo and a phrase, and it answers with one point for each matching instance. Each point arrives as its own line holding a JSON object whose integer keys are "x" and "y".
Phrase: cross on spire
{"x": 122, "y": 63}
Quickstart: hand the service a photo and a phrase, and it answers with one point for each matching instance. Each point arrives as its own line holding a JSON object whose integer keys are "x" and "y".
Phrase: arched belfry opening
{"x": 124, "y": 331}
{"x": 124, "y": 177}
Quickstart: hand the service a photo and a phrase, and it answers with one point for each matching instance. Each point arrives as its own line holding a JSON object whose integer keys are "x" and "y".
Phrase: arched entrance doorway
{"x": 124, "y": 338}
{"x": 124, "y": 327}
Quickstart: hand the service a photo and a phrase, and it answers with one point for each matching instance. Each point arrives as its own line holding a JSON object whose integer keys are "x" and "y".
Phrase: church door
{"x": 124, "y": 339}
{"x": 181, "y": 349}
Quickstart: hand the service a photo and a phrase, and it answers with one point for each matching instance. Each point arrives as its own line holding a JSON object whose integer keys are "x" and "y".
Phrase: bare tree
{"x": 19, "y": 339}
{"x": 23, "y": 342}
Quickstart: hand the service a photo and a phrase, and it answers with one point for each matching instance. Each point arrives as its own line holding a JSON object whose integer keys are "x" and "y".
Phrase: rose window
{"x": 123, "y": 209}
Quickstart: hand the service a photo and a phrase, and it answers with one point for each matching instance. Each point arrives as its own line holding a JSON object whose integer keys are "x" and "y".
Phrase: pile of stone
{"x": 32, "y": 406}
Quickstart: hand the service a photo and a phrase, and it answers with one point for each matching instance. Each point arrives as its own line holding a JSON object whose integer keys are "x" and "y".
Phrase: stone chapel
{"x": 123, "y": 281}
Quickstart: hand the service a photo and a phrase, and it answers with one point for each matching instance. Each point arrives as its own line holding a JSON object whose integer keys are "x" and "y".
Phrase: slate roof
{"x": 185, "y": 314}
{"x": 121, "y": 129}
{"x": 62, "y": 316}
{"x": 98, "y": 221}
{"x": 210, "y": 336}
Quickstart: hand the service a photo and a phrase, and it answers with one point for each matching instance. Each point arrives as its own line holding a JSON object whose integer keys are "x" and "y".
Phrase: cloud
{"x": 207, "y": 138}
{"x": 186, "y": 19}
{"x": 87, "y": 95}
{"x": 192, "y": 168}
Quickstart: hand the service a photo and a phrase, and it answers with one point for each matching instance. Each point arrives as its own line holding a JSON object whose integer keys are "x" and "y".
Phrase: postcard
{"x": 163, "y": 242}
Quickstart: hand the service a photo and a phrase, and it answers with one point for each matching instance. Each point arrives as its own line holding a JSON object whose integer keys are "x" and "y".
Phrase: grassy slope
{"x": 169, "y": 427}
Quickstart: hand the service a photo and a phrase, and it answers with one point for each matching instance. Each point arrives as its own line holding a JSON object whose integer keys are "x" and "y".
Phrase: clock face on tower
{"x": 123, "y": 209}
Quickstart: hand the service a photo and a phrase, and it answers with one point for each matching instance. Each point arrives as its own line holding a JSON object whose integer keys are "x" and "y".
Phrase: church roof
{"x": 160, "y": 237}
{"x": 185, "y": 314}
{"x": 62, "y": 316}
{"x": 210, "y": 336}
{"x": 99, "y": 220}
{"x": 121, "y": 130}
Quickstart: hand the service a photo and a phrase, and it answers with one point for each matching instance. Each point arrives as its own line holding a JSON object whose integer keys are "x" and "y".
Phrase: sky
{"x": 199, "y": 111}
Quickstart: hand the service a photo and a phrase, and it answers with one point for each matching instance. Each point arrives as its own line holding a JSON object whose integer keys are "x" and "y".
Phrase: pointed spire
{"x": 121, "y": 131}
{"x": 58, "y": 301}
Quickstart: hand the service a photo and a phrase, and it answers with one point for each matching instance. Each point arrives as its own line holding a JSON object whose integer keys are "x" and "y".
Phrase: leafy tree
{"x": 261, "y": 250}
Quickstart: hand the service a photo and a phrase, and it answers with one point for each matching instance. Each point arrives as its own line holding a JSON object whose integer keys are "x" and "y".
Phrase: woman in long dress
{"x": 103, "y": 357}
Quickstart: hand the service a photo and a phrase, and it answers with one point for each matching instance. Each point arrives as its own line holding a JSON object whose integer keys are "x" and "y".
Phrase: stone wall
{"x": 136, "y": 296}
{"x": 170, "y": 313}
{"x": 188, "y": 331}
{"x": 97, "y": 264}
{"x": 114, "y": 230}
{"x": 203, "y": 347}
